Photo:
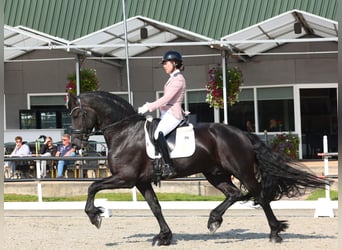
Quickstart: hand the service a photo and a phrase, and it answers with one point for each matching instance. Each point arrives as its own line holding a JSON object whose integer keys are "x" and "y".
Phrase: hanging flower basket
{"x": 88, "y": 81}
{"x": 215, "y": 86}
{"x": 286, "y": 144}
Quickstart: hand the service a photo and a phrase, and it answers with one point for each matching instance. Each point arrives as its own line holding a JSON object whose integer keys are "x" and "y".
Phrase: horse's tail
{"x": 279, "y": 176}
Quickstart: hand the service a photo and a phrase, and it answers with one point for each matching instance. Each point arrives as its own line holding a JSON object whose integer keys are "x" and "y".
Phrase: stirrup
{"x": 168, "y": 172}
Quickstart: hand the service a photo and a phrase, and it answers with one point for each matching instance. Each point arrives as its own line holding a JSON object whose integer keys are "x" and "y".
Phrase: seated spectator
{"x": 20, "y": 149}
{"x": 47, "y": 149}
{"x": 64, "y": 150}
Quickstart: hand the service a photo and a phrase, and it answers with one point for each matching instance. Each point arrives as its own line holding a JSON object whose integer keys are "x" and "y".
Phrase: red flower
{"x": 215, "y": 86}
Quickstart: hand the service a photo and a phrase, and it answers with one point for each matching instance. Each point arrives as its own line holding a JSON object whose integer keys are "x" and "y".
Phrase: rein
{"x": 115, "y": 123}
{"x": 86, "y": 133}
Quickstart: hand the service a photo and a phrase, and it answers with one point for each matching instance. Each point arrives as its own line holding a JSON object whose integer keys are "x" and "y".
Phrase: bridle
{"x": 84, "y": 132}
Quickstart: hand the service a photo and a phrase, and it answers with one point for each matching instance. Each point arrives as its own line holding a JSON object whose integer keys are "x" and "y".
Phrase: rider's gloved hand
{"x": 143, "y": 109}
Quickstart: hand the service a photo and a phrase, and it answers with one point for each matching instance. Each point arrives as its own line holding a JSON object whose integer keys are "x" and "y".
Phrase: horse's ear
{"x": 72, "y": 100}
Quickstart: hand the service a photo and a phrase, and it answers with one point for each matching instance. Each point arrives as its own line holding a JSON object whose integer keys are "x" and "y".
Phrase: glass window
{"x": 275, "y": 109}
{"x": 44, "y": 119}
{"x": 47, "y": 100}
{"x": 66, "y": 120}
{"x": 28, "y": 119}
{"x": 241, "y": 114}
{"x": 48, "y": 119}
{"x": 49, "y": 111}
{"x": 199, "y": 109}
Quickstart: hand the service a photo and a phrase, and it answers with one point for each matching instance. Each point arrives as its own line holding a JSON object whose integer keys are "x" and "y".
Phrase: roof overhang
{"x": 110, "y": 43}
{"x": 142, "y": 34}
{"x": 280, "y": 29}
{"x": 21, "y": 40}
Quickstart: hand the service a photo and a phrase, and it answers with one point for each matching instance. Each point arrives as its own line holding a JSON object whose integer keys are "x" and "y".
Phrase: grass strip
{"x": 114, "y": 197}
{"x": 161, "y": 196}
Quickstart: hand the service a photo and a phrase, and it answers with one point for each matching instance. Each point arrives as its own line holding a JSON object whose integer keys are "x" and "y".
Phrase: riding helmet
{"x": 173, "y": 56}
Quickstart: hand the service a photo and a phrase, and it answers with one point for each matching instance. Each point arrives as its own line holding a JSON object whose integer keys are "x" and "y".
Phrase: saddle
{"x": 180, "y": 141}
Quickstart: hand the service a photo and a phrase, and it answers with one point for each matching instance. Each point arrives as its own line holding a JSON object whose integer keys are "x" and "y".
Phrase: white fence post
{"x": 324, "y": 206}
{"x": 326, "y": 166}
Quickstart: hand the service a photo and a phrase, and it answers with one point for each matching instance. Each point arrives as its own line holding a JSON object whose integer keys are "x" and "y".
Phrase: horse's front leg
{"x": 165, "y": 235}
{"x": 94, "y": 213}
{"x": 111, "y": 182}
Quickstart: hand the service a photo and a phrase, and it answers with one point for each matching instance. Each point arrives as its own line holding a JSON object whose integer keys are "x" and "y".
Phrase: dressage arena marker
{"x": 324, "y": 206}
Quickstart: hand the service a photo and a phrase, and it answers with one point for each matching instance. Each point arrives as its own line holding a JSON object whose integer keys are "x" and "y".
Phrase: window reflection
{"x": 48, "y": 119}
{"x": 241, "y": 114}
{"x": 27, "y": 119}
{"x": 275, "y": 109}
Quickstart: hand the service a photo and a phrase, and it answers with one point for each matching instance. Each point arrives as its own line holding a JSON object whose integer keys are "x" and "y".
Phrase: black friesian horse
{"x": 222, "y": 151}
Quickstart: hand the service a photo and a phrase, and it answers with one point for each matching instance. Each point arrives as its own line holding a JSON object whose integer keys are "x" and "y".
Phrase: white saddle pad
{"x": 184, "y": 144}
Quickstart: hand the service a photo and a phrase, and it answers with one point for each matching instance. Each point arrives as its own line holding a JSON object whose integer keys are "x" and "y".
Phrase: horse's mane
{"x": 115, "y": 102}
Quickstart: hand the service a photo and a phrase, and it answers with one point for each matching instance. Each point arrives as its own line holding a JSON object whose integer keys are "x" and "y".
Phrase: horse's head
{"x": 83, "y": 120}
{"x": 94, "y": 111}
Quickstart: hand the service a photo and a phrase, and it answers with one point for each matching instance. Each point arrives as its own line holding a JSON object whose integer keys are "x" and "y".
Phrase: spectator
{"x": 64, "y": 150}
{"x": 20, "y": 150}
{"x": 249, "y": 126}
{"x": 273, "y": 125}
{"x": 47, "y": 149}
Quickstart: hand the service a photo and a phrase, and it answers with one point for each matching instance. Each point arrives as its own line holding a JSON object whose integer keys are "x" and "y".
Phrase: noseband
{"x": 84, "y": 132}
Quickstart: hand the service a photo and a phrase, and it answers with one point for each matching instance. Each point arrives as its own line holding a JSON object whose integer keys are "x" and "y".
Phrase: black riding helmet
{"x": 173, "y": 56}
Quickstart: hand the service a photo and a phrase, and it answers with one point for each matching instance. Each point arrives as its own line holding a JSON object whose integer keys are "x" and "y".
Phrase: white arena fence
{"x": 134, "y": 204}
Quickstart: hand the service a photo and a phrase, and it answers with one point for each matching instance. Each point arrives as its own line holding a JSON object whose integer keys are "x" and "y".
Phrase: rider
{"x": 170, "y": 105}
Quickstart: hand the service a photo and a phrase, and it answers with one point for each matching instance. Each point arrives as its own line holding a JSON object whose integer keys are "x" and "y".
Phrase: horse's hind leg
{"x": 232, "y": 193}
{"x": 165, "y": 235}
{"x": 275, "y": 225}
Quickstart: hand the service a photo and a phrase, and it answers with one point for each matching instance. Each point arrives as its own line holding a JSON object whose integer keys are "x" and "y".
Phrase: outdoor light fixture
{"x": 143, "y": 33}
{"x": 297, "y": 28}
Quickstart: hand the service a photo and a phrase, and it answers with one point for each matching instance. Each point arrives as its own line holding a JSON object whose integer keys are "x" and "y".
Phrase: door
{"x": 318, "y": 118}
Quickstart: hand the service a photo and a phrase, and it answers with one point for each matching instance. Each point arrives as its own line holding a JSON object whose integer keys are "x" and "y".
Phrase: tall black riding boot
{"x": 168, "y": 170}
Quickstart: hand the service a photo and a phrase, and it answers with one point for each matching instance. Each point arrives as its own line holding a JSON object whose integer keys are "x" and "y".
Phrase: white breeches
{"x": 167, "y": 123}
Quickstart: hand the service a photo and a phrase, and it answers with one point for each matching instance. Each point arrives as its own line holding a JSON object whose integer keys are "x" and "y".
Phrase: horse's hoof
{"x": 276, "y": 239}
{"x": 95, "y": 216}
{"x": 156, "y": 243}
{"x": 162, "y": 240}
{"x": 214, "y": 226}
{"x": 98, "y": 221}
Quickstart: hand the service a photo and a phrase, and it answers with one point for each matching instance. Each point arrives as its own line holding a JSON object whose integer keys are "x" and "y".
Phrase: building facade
{"x": 293, "y": 84}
